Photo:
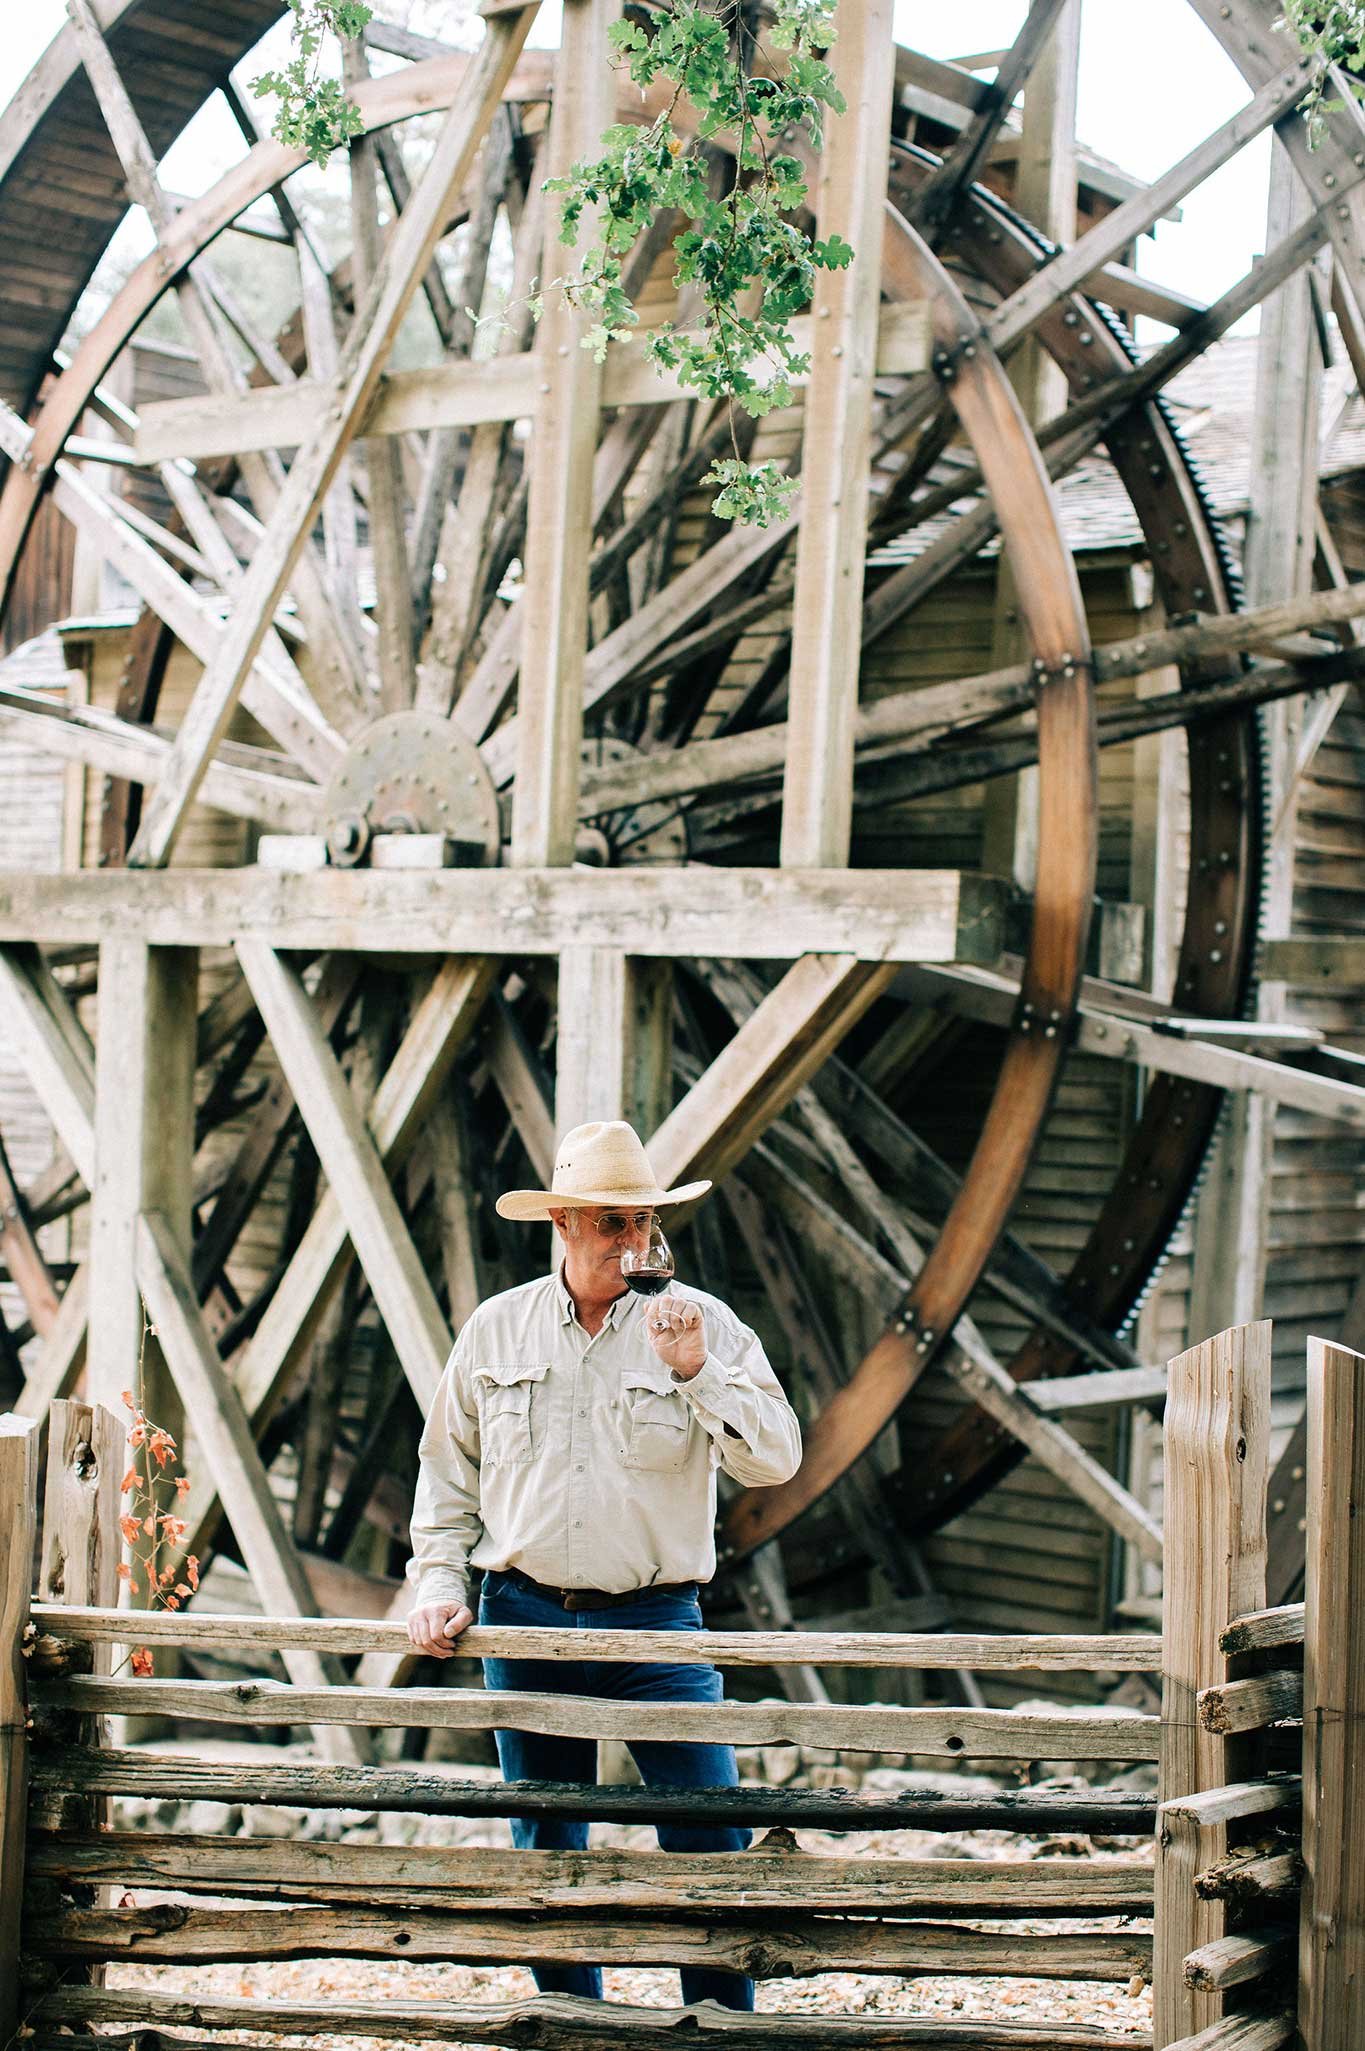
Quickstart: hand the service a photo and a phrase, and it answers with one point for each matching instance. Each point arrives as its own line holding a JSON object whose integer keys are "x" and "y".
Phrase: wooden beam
{"x": 893, "y": 915}
{"x": 941, "y": 191}
{"x": 201, "y": 299}
{"x": 776, "y": 1050}
{"x": 1332, "y": 1923}
{"x": 56, "y": 1370}
{"x": 1231, "y": 1239}
{"x": 1113, "y": 233}
{"x": 1216, "y": 1466}
{"x": 458, "y": 394}
{"x": 593, "y": 1043}
{"x": 353, "y": 1168}
{"x": 554, "y": 607}
{"x": 144, "y": 1135}
{"x": 776, "y": 1947}
{"x": 137, "y": 754}
{"x": 386, "y": 498}
{"x": 557, "y": 2022}
{"x": 513, "y": 1065}
{"x": 440, "y": 1025}
{"x": 942, "y": 1733}
{"x": 996, "y": 1652}
{"x": 21, "y": 1254}
{"x": 405, "y": 259}
{"x": 817, "y": 802}
{"x": 18, "y": 1536}
{"x": 989, "y": 994}
{"x": 418, "y": 1875}
{"x": 225, "y": 1443}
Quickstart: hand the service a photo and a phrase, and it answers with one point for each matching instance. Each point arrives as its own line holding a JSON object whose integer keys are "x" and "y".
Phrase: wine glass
{"x": 648, "y": 1269}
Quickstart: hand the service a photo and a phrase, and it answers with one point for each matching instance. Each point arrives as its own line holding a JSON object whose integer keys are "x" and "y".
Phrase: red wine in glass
{"x": 648, "y": 1270}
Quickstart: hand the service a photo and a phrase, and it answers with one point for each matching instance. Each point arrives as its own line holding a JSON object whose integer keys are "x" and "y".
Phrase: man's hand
{"x": 434, "y": 1627}
{"x": 677, "y": 1332}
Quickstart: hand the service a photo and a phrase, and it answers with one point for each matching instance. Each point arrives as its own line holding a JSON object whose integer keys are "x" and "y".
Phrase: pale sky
{"x": 1146, "y": 96}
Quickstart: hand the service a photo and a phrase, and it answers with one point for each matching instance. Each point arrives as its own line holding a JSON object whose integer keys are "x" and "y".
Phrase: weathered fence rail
{"x": 1245, "y": 1850}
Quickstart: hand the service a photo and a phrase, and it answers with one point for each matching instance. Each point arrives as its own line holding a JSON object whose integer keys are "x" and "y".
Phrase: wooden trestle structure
{"x": 584, "y": 814}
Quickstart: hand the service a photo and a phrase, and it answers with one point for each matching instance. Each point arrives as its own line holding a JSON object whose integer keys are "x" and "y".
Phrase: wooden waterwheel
{"x": 540, "y": 794}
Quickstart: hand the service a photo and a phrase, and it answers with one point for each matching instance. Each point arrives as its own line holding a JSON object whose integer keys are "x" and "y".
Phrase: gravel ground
{"x": 1114, "y": 2009}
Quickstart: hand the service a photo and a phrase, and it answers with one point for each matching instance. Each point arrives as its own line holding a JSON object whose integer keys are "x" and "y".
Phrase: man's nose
{"x": 637, "y": 1235}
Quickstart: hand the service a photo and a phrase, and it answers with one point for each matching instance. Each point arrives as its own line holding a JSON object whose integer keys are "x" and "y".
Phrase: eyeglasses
{"x": 614, "y": 1224}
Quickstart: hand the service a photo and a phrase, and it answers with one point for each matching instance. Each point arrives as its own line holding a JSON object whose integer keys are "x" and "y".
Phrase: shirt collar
{"x": 568, "y": 1313}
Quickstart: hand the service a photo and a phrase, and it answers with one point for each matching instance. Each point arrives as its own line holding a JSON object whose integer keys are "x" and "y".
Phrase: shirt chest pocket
{"x": 507, "y": 1426}
{"x": 658, "y": 1423}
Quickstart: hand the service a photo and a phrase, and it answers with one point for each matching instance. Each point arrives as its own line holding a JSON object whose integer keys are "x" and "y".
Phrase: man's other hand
{"x": 434, "y": 1628}
{"x": 676, "y": 1329}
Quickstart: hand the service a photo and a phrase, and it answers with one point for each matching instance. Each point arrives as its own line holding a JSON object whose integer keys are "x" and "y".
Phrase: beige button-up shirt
{"x": 583, "y": 1461}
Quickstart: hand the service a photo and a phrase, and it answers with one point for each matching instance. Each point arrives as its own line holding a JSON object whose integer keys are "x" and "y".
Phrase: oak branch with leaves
{"x": 742, "y": 252}
{"x": 742, "y": 249}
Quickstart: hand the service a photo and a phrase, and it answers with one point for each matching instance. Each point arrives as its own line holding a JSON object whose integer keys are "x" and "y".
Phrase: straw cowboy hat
{"x": 599, "y": 1163}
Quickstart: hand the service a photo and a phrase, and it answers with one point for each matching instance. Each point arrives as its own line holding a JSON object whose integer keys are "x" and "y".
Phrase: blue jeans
{"x": 527, "y": 1755}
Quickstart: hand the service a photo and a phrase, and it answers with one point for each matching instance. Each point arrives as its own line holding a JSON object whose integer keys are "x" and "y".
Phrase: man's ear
{"x": 560, "y": 1221}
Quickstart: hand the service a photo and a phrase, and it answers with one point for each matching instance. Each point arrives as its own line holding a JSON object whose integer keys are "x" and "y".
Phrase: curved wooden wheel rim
{"x": 1054, "y": 619}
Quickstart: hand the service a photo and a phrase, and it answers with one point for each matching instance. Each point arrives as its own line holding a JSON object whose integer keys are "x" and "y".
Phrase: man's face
{"x": 594, "y": 1240}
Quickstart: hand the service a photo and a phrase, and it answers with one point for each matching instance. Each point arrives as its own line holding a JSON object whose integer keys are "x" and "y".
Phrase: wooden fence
{"x": 1245, "y": 1842}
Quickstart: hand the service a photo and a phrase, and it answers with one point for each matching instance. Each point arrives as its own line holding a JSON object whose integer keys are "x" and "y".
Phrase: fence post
{"x": 82, "y": 1547}
{"x": 18, "y": 1524}
{"x": 1216, "y": 1468}
{"x": 1332, "y": 1917}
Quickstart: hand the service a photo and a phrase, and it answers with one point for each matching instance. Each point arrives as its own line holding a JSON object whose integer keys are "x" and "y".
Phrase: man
{"x": 571, "y": 1454}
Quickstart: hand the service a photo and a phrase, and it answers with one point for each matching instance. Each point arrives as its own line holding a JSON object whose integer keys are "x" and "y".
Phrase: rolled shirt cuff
{"x": 711, "y": 1378}
{"x": 439, "y": 1584}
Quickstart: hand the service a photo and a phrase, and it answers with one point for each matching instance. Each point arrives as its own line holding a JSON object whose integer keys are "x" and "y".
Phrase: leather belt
{"x": 595, "y": 1598}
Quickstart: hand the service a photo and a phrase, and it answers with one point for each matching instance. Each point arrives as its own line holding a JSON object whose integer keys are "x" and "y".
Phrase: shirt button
{"x": 582, "y": 1413}
{"x": 578, "y": 1469}
{"x": 578, "y": 1523}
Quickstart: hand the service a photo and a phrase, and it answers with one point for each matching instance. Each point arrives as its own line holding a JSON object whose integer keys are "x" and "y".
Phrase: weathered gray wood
{"x": 385, "y": 496}
{"x": 1126, "y": 223}
{"x": 817, "y": 808}
{"x": 1127, "y": 1652}
{"x": 229, "y": 1451}
{"x": 1250, "y": 1881}
{"x": 1332, "y": 1925}
{"x": 976, "y": 1734}
{"x": 1229, "y": 1961}
{"x": 435, "y": 1876}
{"x": 768, "y": 1947}
{"x": 404, "y": 262}
{"x": 557, "y": 2020}
{"x": 439, "y": 1792}
{"x": 57, "y": 1367}
{"x": 1242, "y": 2033}
{"x": 989, "y": 994}
{"x": 138, "y": 755}
{"x": 1250, "y": 1704}
{"x": 353, "y": 1167}
{"x": 62, "y": 1074}
{"x": 1216, "y": 1463}
{"x": 1239, "y": 1799}
{"x": 776, "y": 1050}
{"x": 553, "y": 609}
{"x": 755, "y": 914}
{"x": 18, "y": 1534}
{"x": 144, "y": 1141}
{"x": 1265, "y": 1630}
{"x": 1103, "y": 1391}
